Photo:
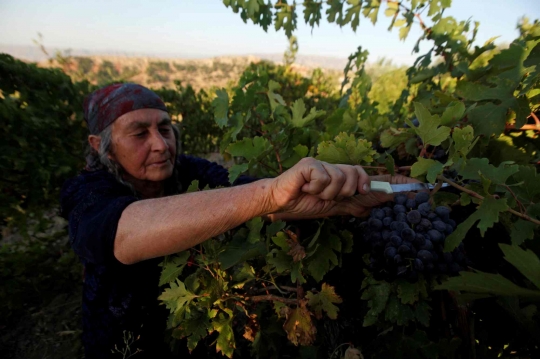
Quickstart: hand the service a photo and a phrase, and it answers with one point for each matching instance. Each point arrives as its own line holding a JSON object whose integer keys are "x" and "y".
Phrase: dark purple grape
{"x": 435, "y": 236}
{"x": 394, "y": 225}
{"x": 443, "y": 212}
{"x": 448, "y": 258}
{"x": 421, "y": 197}
{"x": 396, "y": 240}
{"x": 428, "y": 245}
{"x": 426, "y": 224}
{"x": 433, "y": 217}
{"x": 413, "y": 251}
{"x": 397, "y": 259}
{"x": 386, "y": 234}
{"x": 390, "y": 252}
{"x": 377, "y": 213}
{"x": 400, "y": 199}
{"x": 419, "y": 240}
{"x": 404, "y": 249}
{"x": 451, "y": 222}
{"x": 408, "y": 234}
{"x": 410, "y": 203}
{"x": 439, "y": 154}
{"x": 449, "y": 229}
{"x": 459, "y": 257}
{"x": 387, "y": 221}
{"x": 375, "y": 224}
{"x": 424, "y": 209}
{"x": 388, "y": 212}
{"x": 429, "y": 267}
{"x": 414, "y": 217}
{"x": 399, "y": 208}
{"x": 439, "y": 226}
{"x": 418, "y": 265}
{"x": 399, "y": 226}
{"x": 401, "y": 217}
{"x": 425, "y": 256}
{"x": 413, "y": 276}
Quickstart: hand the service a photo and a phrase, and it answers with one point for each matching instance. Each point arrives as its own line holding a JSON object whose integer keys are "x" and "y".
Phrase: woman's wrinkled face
{"x": 143, "y": 144}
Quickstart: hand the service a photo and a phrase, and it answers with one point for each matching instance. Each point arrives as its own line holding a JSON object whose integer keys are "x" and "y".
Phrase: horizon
{"x": 193, "y": 29}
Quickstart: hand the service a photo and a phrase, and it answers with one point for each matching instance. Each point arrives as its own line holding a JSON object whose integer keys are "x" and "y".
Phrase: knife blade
{"x": 386, "y": 187}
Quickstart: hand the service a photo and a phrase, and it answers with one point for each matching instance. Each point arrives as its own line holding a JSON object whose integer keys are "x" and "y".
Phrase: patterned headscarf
{"x": 103, "y": 106}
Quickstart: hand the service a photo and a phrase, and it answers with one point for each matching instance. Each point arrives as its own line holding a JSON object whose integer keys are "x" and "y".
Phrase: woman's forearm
{"x": 162, "y": 226}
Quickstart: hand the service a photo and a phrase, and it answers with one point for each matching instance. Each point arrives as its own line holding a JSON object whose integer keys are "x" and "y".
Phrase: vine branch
{"x": 476, "y": 195}
{"x": 272, "y": 298}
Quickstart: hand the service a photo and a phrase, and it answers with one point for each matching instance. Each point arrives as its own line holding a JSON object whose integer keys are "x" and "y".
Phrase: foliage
{"x": 476, "y": 105}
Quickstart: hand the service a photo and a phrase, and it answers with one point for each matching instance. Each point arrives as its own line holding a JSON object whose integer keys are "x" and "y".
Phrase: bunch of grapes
{"x": 406, "y": 238}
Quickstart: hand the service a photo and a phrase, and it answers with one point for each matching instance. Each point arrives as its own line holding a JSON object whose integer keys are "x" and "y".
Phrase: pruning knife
{"x": 389, "y": 188}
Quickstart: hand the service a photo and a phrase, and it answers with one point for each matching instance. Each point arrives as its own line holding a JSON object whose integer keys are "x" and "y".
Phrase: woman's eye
{"x": 140, "y": 134}
{"x": 165, "y": 130}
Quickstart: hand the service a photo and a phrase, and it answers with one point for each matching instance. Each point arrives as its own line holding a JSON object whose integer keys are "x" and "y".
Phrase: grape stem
{"x": 476, "y": 195}
{"x": 285, "y": 288}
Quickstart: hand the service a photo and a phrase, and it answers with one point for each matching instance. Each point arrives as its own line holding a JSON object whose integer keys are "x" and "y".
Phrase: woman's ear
{"x": 94, "y": 141}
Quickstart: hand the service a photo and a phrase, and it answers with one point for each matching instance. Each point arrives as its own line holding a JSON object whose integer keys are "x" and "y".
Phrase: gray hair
{"x": 99, "y": 160}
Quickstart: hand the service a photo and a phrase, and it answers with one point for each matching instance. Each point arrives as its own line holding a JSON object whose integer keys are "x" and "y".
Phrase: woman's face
{"x": 143, "y": 144}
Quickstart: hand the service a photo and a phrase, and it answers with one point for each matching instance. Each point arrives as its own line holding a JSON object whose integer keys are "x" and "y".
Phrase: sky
{"x": 206, "y": 28}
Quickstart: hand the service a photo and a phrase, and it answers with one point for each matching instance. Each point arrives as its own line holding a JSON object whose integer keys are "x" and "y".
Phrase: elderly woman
{"x": 127, "y": 210}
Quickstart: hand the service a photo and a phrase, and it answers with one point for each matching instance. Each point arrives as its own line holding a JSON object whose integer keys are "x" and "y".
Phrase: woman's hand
{"x": 315, "y": 189}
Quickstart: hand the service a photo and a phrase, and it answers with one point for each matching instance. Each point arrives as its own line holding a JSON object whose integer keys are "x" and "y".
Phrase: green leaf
{"x": 177, "y": 296}
{"x": 488, "y": 119}
{"x": 221, "y": 108}
{"x": 476, "y": 167}
{"x": 285, "y": 18}
{"x": 255, "y": 225}
{"x": 403, "y": 33}
{"x": 239, "y": 250}
{"x": 193, "y": 186}
{"x": 237, "y": 170}
{"x": 353, "y": 14}
{"x": 428, "y": 129}
{"x": 480, "y": 282}
{"x": 398, "y": 313}
{"x": 452, "y": 114}
{"x": 225, "y": 341}
{"x": 530, "y": 191}
{"x": 299, "y": 152}
{"x": 346, "y": 149}
{"x": 324, "y": 301}
{"x": 463, "y": 140}
{"x": 173, "y": 268}
{"x": 273, "y": 228}
{"x": 431, "y": 167}
{"x": 524, "y": 260}
{"x": 377, "y": 296}
{"x": 393, "y": 137}
{"x": 390, "y": 164}
{"x": 421, "y": 313}
{"x": 249, "y": 148}
{"x": 324, "y": 258}
{"x": 410, "y": 293}
{"x": 487, "y": 214}
{"x": 522, "y": 230}
{"x": 274, "y": 98}
{"x": 299, "y": 109}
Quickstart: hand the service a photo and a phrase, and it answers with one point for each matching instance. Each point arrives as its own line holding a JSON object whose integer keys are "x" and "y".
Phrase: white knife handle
{"x": 378, "y": 186}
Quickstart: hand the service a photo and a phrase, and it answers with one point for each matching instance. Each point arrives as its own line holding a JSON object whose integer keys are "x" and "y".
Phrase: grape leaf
{"x": 298, "y": 109}
{"x": 463, "y": 140}
{"x": 252, "y": 7}
{"x": 480, "y": 282}
{"x": 280, "y": 260}
{"x": 299, "y": 326}
{"x": 299, "y": 152}
{"x": 324, "y": 257}
{"x": 221, "y": 108}
{"x": 237, "y": 170}
{"x": 421, "y": 313}
{"x": 312, "y": 13}
{"x": 371, "y": 10}
{"x": 239, "y": 250}
{"x": 324, "y": 300}
{"x": 431, "y": 167}
{"x": 177, "y": 296}
{"x": 254, "y": 225}
{"x": 194, "y": 328}
{"x": 453, "y": 113}
{"x": 274, "y": 98}
{"x": 285, "y": 18}
{"x": 393, "y": 137}
{"x": 273, "y": 228}
{"x": 428, "y": 129}
{"x": 498, "y": 175}
{"x": 249, "y": 148}
{"x": 346, "y": 149}
{"x": 389, "y": 164}
{"x": 522, "y": 230}
{"x": 487, "y": 214}
{"x": 377, "y": 296}
{"x": 398, "y": 313}
{"x": 410, "y": 293}
{"x": 353, "y": 14}
{"x": 173, "y": 268}
{"x": 489, "y": 119}
{"x": 524, "y": 260}
{"x": 225, "y": 341}
{"x": 530, "y": 191}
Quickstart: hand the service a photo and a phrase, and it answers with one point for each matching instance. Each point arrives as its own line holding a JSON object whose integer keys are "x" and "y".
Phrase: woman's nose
{"x": 159, "y": 143}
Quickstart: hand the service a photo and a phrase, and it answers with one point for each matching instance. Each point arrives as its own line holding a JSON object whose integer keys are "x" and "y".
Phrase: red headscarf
{"x": 103, "y": 106}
